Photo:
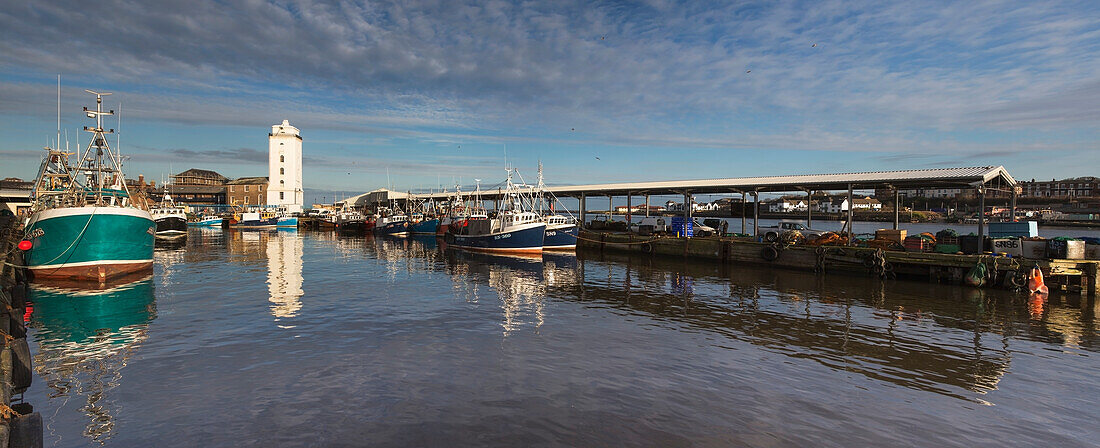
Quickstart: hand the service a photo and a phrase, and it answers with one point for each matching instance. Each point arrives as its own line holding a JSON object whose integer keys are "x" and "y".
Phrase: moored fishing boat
{"x": 350, "y": 221}
{"x": 397, "y": 225}
{"x": 561, "y": 233}
{"x": 87, "y": 228}
{"x": 512, "y": 230}
{"x": 206, "y": 221}
{"x": 508, "y": 232}
{"x": 423, "y": 226}
{"x": 256, "y": 220}
{"x": 171, "y": 220}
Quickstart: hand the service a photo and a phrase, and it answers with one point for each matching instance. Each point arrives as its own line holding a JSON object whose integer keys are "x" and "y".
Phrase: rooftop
{"x": 966, "y": 177}
{"x": 248, "y": 181}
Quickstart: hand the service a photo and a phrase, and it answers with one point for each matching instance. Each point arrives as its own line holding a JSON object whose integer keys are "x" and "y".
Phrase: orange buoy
{"x": 1035, "y": 283}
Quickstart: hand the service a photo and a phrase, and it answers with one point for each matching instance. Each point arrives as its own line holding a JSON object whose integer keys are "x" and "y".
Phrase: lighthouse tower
{"x": 284, "y": 186}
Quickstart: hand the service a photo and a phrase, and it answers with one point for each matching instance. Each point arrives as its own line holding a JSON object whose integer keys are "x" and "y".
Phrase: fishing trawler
{"x": 397, "y": 225}
{"x": 83, "y": 224}
{"x": 421, "y": 225}
{"x": 513, "y": 229}
{"x": 561, "y": 231}
{"x": 171, "y": 220}
{"x": 207, "y": 221}
{"x": 256, "y": 219}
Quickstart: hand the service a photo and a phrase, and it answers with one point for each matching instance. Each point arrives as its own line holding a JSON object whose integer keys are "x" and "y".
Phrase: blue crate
{"x": 678, "y": 227}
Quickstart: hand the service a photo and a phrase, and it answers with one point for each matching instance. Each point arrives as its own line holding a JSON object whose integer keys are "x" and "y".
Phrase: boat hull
{"x": 255, "y": 224}
{"x": 399, "y": 228}
{"x": 351, "y": 226}
{"x": 287, "y": 221}
{"x": 206, "y": 223}
{"x": 171, "y": 228}
{"x": 525, "y": 240}
{"x": 425, "y": 227}
{"x": 90, "y": 243}
{"x": 561, "y": 238}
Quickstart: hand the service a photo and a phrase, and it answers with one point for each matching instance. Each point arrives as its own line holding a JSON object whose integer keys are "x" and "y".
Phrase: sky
{"x": 420, "y": 94}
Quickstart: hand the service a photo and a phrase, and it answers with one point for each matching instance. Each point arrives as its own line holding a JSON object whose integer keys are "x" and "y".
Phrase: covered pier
{"x": 983, "y": 180}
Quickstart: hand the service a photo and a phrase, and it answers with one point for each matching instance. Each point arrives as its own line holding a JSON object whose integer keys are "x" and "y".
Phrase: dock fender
{"x": 647, "y": 248}
{"x": 769, "y": 253}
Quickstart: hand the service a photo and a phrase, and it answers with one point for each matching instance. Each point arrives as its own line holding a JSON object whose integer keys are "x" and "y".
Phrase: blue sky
{"x": 432, "y": 92}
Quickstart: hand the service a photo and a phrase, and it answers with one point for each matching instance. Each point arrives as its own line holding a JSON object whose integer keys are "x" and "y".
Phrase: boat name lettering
{"x": 36, "y": 233}
{"x": 501, "y": 237}
{"x": 551, "y": 233}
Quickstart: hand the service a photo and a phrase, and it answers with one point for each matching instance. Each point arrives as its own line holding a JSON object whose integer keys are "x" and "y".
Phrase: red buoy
{"x": 24, "y": 245}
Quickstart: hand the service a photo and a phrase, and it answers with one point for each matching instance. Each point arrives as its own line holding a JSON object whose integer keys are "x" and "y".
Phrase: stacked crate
{"x": 916, "y": 243}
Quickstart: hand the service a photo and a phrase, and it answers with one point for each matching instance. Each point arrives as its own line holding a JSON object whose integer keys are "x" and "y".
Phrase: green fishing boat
{"x": 84, "y": 225}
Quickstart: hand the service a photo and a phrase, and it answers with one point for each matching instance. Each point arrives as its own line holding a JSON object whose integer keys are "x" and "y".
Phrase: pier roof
{"x": 966, "y": 177}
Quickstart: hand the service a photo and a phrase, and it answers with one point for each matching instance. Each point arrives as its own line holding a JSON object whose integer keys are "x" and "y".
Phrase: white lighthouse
{"x": 284, "y": 187}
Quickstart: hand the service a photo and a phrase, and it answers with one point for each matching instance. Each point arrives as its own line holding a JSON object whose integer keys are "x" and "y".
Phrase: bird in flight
{"x": 597, "y": 158}
{"x": 814, "y": 45}
{"x": 748, "y": 71}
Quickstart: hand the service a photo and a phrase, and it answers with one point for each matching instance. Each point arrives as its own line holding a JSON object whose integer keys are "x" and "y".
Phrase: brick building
{"x": 246, "y": 191}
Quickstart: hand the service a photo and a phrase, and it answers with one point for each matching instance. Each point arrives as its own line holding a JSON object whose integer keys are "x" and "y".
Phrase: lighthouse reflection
{"x": 85, "y": 338}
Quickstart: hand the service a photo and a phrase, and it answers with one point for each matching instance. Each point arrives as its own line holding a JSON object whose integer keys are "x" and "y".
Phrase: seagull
{"x": 748, "y": 71}
{"x": 603, "y": 37}
{"x": 597, "y": 158}
{"x": 572, "y": 129}
{"x": 814, "y": 45}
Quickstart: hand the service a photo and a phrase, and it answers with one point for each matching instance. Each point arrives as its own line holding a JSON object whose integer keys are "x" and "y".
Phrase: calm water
{"x": 309, "y": 339}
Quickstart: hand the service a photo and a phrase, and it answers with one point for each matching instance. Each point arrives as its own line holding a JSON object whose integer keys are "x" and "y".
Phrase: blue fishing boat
{"x": 512, "y": 230}
{"x": 561, "y": 233}
{"x": 397, "y": 225}
{"x": 255, "y": 220}
{"x": 206, "y": 221}
{"x": 519, "y": 233}
{"x": 423, "y": 226}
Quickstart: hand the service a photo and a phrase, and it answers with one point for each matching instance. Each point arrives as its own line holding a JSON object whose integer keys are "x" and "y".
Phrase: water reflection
{"x": 519, "y": 283}
{"x": 936, "y": 338}
{"x": 284, "y": 274}
{"x": 85, "y": 338}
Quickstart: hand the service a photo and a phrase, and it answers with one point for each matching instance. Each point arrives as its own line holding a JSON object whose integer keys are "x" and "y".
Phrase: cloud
{"x": 236, "y": 156}
{"x": 883, "y": 77}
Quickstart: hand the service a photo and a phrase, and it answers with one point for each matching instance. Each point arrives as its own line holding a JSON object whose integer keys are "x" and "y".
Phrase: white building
{"x": 786, "y": 205}
{"x": 841, "y": 205}
{"x": 284, "y": 186}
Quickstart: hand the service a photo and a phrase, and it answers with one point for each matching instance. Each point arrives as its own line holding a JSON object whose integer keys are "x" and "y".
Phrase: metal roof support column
{"x": 687, "y": 210}
{"x": 755, "y": 213}
{"x": 610, "y": 208}
{"x": 581, "y": 211}
{"x": 742, "y": 212}
{"x": 1012, "y": 207}
{"x": 809, "y": 209}
{"x": 981, "y": 218}
{"x": 628, "y": 210}
{"x": 851, "y": 205}
{"x": 647, "y": 206}
{"x": 897, "y": 207}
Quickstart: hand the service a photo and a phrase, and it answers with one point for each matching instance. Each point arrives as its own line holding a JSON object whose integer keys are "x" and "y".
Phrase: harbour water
{"x": 284, "y": 338}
